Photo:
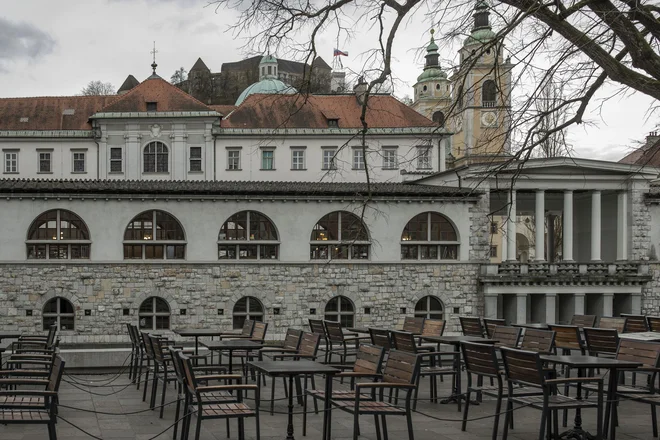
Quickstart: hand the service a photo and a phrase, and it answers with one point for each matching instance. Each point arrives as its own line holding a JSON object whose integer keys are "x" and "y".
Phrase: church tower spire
{"x": 432, "y": 91}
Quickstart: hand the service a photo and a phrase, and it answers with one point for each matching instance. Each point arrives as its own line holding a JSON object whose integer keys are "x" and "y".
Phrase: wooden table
{"x": 291, "y": 369}
{"x": 4, "y": 346}
{"x": 456, "y": 342}
{"x": 230, "y": 346}
{"x": 358, "y": 329}
{"x": 10, "y": 335}
{"x": 589, "y": 362}
{"x": 197, "y": 333}
{"x": 642, "y": 336}
{"x": 532, "y": 325}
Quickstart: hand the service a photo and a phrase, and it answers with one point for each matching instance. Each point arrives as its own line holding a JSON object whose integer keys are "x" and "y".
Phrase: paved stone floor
{"x": 118, "y": 399}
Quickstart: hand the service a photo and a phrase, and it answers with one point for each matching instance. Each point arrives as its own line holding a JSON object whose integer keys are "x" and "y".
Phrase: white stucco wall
{"x": 61, "y": 151}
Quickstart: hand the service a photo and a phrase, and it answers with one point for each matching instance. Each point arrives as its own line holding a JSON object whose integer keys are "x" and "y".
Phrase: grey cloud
{"x": 185, "y": 3}
{"x": 22, "y": 41}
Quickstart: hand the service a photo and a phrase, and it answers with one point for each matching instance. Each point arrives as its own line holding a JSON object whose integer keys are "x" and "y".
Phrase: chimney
{"x": 652, "y": 138}
{"x": 360, "y": 90}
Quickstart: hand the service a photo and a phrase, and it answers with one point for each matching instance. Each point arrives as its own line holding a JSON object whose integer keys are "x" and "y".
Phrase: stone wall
{"x": 480, "y": 229}
{"x": 641, "y": 225}
{"x": 651, "y": 292}
{"x": 202, "y": 289}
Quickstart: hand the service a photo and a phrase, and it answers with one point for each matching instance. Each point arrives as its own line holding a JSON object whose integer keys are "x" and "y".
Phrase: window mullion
{"x": 57, "y": 225}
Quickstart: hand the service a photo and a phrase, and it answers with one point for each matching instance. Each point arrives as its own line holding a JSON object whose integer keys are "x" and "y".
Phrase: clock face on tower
{"x": 488, "y": 119}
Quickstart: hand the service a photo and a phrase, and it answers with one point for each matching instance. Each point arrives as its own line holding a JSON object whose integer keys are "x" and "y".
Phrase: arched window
{"x": 154, "y": 235}
{"x": 342, "y": 310}
{"x": 248, "y": 235}
{"x": 58, "y": 234}
{"x": 429, "y": 236}
{"x": 439, "y": 118}
{"x": 488, "y": 93}
{"x": 156, "y": 158}
{"x": 340, "y": 235}
{"x": 459, "y": 97}
{"x": 154, "y": 314}
{"x": 429, "y": 307}
{"x": 247, "y": 307}
{"x": 59, "y": 311}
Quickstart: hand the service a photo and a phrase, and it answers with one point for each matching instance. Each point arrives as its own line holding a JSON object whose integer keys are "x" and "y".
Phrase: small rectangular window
{"x": 493, "y": 252}
{"x": 152, "y": 106}
{"x": 333, "y": 123}
{"x": 78, "y": 162}
{"x": 267, "y": 160}
{"x": 298, "y": 159}
{"x": 358, "y": 158}
{"x": 494, "y": 227}
{"x": 389, "y": 159}
{"x": 424, "y": 158}
{"x": 233, "y": 159}
{"x": 195, "y": 159}
{"x": 329, "y": 158}
{"x": 115, "y": 160}
{"x": 11, "y": 162}
{"x": 45, "y": 163}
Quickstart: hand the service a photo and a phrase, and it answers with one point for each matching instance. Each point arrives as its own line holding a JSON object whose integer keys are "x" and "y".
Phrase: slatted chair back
{"x": 316, "y": 326}
{"x": 333, "y": 331}
{"x": 404, "y": 341}
{"x": 148, "y": 348}
{"x": 309, "y": 344}
{"x": 178, "y": 367}
{"x": 471, "y": 326}
{"x": 52, "y": 333}
{"x": 480, "y": 359}
{"x": 584, "y": 320}
{"x": 158, "y": 349}
{"x": 413, "y": 325}
{"x": 611, "y": 322}
{"x": 540, "y": 341}
{"x": 188, "y": 373}
{"x": 248, "y": 328}
{"x": 647, "y": 353}
{"x": 522, "y": 367}
{"x": 259, "y": 331}
{"x": 381, "y": 337}
{"x": 130, "y": 334}
{"x": 55, "y": 377}
{"x": 401, "y": 367}
{"x": 292, "y": 339}
{"x": 635, "y": 323}
{"x": 654, "y": 323}
{"x": 490, "y": 323}
{"x": 601, "y": 340}
{"x": 567, "y": 337}
{"x": 507, "y": 336}
{"x": 369, "y": 359}
{"x": 433, "y": 327}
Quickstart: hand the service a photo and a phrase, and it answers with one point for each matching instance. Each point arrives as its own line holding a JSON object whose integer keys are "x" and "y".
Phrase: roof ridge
{"x": 59, "y": 97}
{"x": 200, "y": 182}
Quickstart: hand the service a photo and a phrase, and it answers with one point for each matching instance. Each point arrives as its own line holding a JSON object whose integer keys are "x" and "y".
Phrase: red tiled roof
{"x": 223, "y": 109}
{"x": 168, "y": 97}
{"x": 648, "y": 154}
{"x": 310, "y": 111}
{"x": 51, "y": 112}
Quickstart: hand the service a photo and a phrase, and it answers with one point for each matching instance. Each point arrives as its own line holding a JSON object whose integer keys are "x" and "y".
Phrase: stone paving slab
{"x": 635, "y": 418}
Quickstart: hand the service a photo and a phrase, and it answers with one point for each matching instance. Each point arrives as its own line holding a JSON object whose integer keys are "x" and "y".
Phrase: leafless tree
{"x": 94, "y": 88}
{"x": 179, "y": 76}
{"x": 555, "y": 144}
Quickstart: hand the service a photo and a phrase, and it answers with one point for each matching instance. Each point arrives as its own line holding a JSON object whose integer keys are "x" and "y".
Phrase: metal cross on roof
{"x": 154, "y": 52}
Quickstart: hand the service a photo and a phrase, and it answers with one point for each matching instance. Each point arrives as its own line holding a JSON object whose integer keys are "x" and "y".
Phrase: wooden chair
{"x": 507, "y": 336}
{"x": 653, "y": 323}
{"x": 246, "y": 331}
{"x": 431, "y": 363}
{"x": 135, "y": 353}
{"x": 413, "y": 325}
{"x": 471, "y": 326}
{"x": 316, "y": 326}
{"x": 291, "y": 343}
{"x": 635, "y": 323}
{"x": 567, "y": 338}
{"x": 367, "y": 365}
{"x": 601, "y": 341}
{"x": 30, "y": 406}
{"x": 490, "y": 323}
{"x": 524, "y": 368}
{"x": 617, "y": 324}
{"x": 540, "y": 341}
{"x": 30, "y": 365}
{"x": 432, "y": 327}
{"x": 197, "y": 402}
{"x": 163, "y": 371}
{"x": 336, "y": 338}
{"x": 584, "y": 320}
{"x": 381, "y": 337}
{"x": 400, "y": 373}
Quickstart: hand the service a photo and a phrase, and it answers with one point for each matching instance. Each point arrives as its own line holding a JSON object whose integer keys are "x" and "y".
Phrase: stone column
{"x": 504, "y": 243}
{"x": 622, "y": 226}
{"x": 490, "y": 306}
{"x": 550, "y": 307}
{"x": 521, "y": 309}
{"x": 511, "y": 227}
{"x": 608, "y": 304}
{"x": 442, "y": 152}
{"x": 578, "y": 298}
{"x": 595, "y": 226}
{"x": 539, "y": 218}
{"x": 567, "y": 222}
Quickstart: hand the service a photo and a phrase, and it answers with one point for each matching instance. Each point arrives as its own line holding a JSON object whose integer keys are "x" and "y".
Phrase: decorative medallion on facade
{"x": 155, "y": 131}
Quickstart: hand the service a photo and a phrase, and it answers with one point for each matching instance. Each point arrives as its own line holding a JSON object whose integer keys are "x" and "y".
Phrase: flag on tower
{"x": 340, "y": 53}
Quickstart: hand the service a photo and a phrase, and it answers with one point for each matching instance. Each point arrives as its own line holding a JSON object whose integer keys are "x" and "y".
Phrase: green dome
{"x": 480, "y": 36}
{"x": 432, "y": 73}
{"x": 269, "y": 86}
{"x": 268, "y": 59}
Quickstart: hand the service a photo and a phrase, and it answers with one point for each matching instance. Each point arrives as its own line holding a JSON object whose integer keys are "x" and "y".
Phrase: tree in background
{"x": 179, "y": 76}
{"x": 95, "y": 88}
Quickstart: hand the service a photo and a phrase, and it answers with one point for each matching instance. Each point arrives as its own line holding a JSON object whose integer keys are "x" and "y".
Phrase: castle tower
{"x": 481, "y": 93}
{"x": 432, "y": 96}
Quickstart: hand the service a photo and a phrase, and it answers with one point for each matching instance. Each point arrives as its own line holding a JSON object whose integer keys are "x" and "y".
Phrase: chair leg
{"x": 257, "y": 427}
{"x": 419, "y": 377}
{"x": 146, "y": 381}
{"x": 377, "y": 424}
{"x": 52, "y": 433}
{"x": 316, "y": 405}
{"x": 411, "y": 434}
{"x": 228, "y": 428}
{"x": 498, "y": 409}
{"x": 356, "y": 424}
{"x": 272, "y": 394}
{"x": 154, "y": 387}
{"x": 162, "y": 397}
{"x": 555, "y": 424}
{"x": 548, "y": 425}
{"x": 176, "y": 413}
{"x": 544, "y": 417}
{"x": 466, "y": 409}
{"x": 382, "y": 418}
{"x": 198, "y": 428}
{"x": 654, "y": 421}
{"x": 564, "y": 421}
{"x": 507, "y": 420}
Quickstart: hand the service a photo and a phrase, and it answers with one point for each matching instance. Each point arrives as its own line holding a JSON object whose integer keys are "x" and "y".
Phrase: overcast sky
{"x": 52, "y": 48}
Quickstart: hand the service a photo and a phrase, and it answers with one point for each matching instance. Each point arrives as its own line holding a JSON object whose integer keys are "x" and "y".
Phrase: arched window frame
{"x": 424, "y": 308}
{"x": 254, "y": 310}
{"x": 59, "y": 246}
{"x": 439, "y": 118}
{"x": 151, "y": 246}
{"x": 250, "y": 247}
{"x": 156, "y": 157}
{"x": 429, "y": 249}
{"x": 61, "y": 313}
{"x": 345, "y": 317}
{"x": 322, "y": 248}
{"x": 160, "y": 320}
{"x": 489, "y": 93}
